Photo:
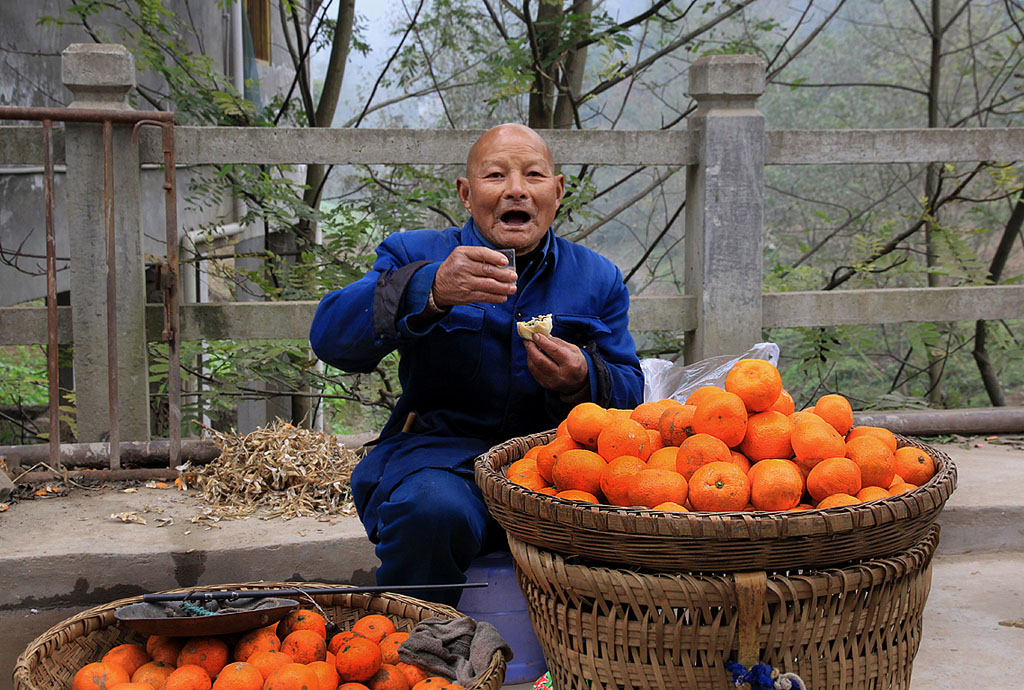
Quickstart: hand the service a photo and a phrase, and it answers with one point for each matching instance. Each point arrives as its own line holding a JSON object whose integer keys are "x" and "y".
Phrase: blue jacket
{"x": 465, "y": 374}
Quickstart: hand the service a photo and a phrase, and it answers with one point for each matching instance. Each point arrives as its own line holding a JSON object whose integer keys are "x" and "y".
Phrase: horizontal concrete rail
{"x": 22, "y": 145}
{"x": 290, "y": 320}
{"x": 835, "y": 146}
{"x": 891, "y": 305}
{"x": 216, "y": 145}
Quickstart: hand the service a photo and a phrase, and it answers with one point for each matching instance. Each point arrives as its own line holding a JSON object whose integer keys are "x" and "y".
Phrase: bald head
{"x": 511, "y": 187}
{"x": 506, "y": 132}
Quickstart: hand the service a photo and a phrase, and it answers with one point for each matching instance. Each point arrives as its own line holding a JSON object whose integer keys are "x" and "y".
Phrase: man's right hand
{"x": 473, "y": 274}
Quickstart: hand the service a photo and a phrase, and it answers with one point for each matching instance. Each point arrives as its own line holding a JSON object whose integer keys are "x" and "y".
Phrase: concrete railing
{"x": 724, "y": 150}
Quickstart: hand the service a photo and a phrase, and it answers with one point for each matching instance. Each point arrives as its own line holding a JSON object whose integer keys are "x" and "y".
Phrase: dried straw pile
{"x": 277, "y": 471}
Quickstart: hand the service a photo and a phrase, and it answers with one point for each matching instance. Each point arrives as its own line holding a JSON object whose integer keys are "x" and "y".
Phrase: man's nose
{"x": 515, "y": 186}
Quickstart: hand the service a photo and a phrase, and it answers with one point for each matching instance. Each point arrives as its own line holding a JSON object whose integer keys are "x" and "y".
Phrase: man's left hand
{"x": 556, "y": 364}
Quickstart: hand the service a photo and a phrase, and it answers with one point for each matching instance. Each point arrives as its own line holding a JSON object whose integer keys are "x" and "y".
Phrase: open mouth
{"x": 515, "y": 218}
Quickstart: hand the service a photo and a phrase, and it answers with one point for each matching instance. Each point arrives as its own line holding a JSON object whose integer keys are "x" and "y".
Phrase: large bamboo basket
{"x": 53, "y": 658}
{"x": 851, "y": 628}
{"x": 710, "y": 542}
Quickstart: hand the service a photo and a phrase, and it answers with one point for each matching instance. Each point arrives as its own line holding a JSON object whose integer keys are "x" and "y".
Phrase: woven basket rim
{"x": 58, "y": 632}
{"x": 814, "y": 522}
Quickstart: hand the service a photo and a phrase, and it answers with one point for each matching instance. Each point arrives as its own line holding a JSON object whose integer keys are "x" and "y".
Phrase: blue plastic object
{"x": 502, "y": 605}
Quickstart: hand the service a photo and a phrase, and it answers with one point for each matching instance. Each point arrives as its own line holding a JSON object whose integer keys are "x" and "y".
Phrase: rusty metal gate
{"x": 167, "y": 269}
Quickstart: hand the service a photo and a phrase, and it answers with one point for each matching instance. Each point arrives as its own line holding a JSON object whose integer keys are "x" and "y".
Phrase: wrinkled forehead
{"x": 509, "y": 143}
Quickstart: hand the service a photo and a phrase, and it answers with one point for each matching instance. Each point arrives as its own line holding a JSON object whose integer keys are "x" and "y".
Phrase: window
{"x": 258, "y": 14}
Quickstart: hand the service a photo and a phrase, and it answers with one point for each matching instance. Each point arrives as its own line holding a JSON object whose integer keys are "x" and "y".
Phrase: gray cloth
{"x": 461, "y": 648}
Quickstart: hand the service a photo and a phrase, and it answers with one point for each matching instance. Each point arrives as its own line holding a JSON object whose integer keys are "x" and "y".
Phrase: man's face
{"x": 511, "y": 188}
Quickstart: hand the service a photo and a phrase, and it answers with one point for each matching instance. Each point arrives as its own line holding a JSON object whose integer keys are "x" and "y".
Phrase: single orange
{"x": 914, "y": 465}
{"x": 531, "y": 453}
{"x": 901, "y": 488}
{"x": 784, "y": 403}
{"x": 188, "y": 677}
{"x": 649, "y": 488}
{"x": 548, "y": 490}
{"x": 837, "y": 500}
{"x": 872, "y": 493}
{"x": 756, "y": 381}
{"x": 374, "y": 626}
{"x": 663, "y": 459}
{"x": 671, "y": 507}
{"x": 387, "y": 677}
{"x": 724, "y": 416}
{"x": 258, "y": 640}
{"x": 704, "y": 391}
{"x": 99, "y": 675}
{"x": 134, "y": 686}
{"x": 129, "y": 656}
{"x": 352, "y": 686}
{"x": 326, "y": 674}
{"x": 878, "y": 432}
{"x": 155, "y": 673}
{"x": 836, "y": 410}
{"x": 586, "y": 421}
{"x": 676, "y": 423}
{"x": 293, "y": 677}
{"x": 549, "y": 453}
{"x": 433, "y": 683}
{"x": 339, "y": 639}
{"x": 813, "y": 441}
{"x": 778, "y": 485}
{"x": 837, "y": 475}
{"x": 623, "y": 437}
{"x": 740, "y": 460}
{"x": 562, "y": 429}
{"x": 209, "y": 653}
{"x": 412, "y": 673}
{"x": 719, "y": 486}
{"x": 768, "y": 436}
{"x": 654, "y": 441}
{"x": 389, "y": 646}
{"x": 165, "y": 649}
{"x": 616, "y": 475}
{"x": 579, "y": 469}
{"x": 578, "y": 495}
{"x": 239, "y": 676}
{"x": 304, "y": 646}
{"x": 302, "y": 619}
{"x": 699, "y": 450}
{"x": 647, "y": 414}
{"x": 358, "y": 659}
{"x": 805, "y": 416}
{"x": 876, "y": 461}
{"x": 524, "y": 472}
{"x": 268, "y": 661}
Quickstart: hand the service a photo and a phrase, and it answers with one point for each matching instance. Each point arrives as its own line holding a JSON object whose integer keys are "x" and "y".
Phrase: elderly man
{"x": 449, "y": 301}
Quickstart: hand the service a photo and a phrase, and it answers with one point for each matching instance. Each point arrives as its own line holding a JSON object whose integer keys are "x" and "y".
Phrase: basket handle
{"x": 750, "y": 597}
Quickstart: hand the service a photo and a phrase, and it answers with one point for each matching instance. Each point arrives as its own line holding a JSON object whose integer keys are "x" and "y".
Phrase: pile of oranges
{"x": 741, "y": 448}
{"x": 292, "y": 654}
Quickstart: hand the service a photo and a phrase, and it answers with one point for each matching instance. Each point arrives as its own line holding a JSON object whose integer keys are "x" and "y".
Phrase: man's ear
{"x": 462, "y": 187}
{"x": 560, "y": 179}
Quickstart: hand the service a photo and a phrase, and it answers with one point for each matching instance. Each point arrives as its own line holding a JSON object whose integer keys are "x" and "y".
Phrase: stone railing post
{"x": 725, "y": 205}
{"x": 100, "y": 77}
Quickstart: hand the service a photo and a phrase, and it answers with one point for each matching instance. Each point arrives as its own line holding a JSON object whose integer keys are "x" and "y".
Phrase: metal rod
{"x": 15, "y": 112}
{"x": 114, "y": 434}
{"x": 172, "y": 334}
{"x": 260, "y": 593}
{"x": 52, "y": 347}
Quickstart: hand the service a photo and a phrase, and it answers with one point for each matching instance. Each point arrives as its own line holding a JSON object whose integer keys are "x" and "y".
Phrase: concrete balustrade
{"x": 724, "y": 148}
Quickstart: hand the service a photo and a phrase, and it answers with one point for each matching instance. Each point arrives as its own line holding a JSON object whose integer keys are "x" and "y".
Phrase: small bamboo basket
{"x": 711, "y": 542}
{"x": 53, "y": 658}
{"x": 856, "y": 627}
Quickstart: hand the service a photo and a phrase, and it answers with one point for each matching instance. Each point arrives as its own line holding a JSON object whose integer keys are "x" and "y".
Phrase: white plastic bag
{"x": 665, "y": 379}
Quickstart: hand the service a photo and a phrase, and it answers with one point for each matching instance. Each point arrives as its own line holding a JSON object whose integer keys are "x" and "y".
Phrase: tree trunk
{"x": 544, "y": 40}
{"x": 935, "y": 359}
{"x": 985, "y": 368}
{"x": 571, "y": 73}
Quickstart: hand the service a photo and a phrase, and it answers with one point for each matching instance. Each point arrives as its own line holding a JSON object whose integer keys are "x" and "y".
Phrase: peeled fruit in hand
{"x": 538, "y": 324}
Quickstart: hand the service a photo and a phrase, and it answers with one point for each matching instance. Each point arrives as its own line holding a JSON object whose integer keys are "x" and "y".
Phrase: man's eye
{"x": 493, "y": 174}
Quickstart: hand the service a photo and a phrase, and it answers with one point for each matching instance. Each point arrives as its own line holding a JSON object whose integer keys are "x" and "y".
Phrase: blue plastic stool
{"x": 502, "y": 605}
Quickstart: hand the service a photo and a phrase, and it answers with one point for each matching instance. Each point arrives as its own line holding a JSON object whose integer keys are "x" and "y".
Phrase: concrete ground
{"x": 62, "y": 555}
